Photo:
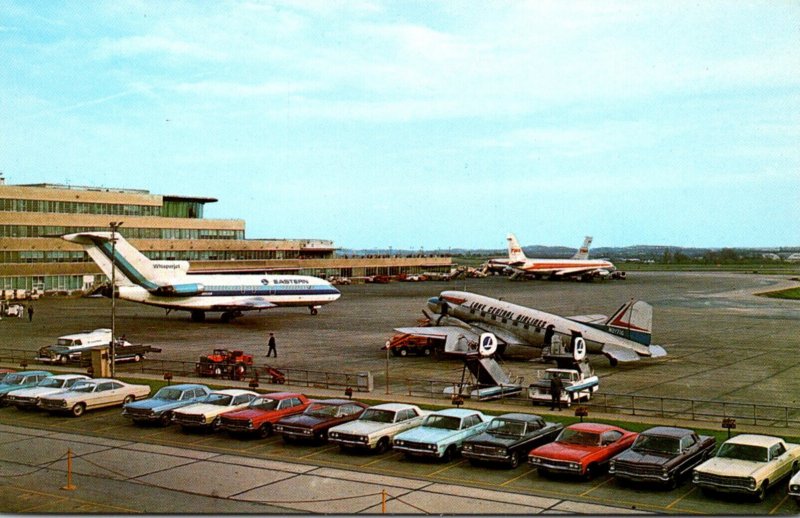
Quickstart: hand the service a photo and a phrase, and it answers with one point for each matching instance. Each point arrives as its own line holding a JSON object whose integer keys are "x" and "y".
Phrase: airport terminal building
{"x": 163, "y": 227}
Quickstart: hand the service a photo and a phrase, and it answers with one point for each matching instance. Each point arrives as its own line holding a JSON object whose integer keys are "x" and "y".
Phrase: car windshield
{"x": 506, "y": 427}
{"x": 218, "y": 399}
{"x": 377, "y": 415}
{"x": 445, "y": 422}
{"x": 322, "y": 410}
{"x": 83, "y": 387}
{"x": 657, "y": 443}
{"x": 14, "y": 379}
{"x": 263, "y": 403}
{"x": 52, "y": 383}
{"x": 170, "y": 394}
{"x": 743, "y": 452}
{"x": 569, "y": 436}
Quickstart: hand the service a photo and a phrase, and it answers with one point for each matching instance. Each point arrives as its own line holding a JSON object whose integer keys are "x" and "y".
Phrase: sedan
{"x": 93, "y": 393}
{"x": 29, "y": 397}
{"x": 207, "y": 413}
{"x": 442, "y": 433}
{"x": 159, "y": 408}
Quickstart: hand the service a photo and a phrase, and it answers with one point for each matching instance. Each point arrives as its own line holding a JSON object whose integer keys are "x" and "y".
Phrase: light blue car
{"x": 20, "y": 380}
{"x": 442, "y": 433}
{"x": 159, "y": 407}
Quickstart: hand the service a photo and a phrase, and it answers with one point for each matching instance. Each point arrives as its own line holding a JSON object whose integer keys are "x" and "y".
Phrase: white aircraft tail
{"x": 633, "y": 320}
{"x": 515, "y": 253}
{"x": 132, "y": 267}
{"x": 583, "y": 252}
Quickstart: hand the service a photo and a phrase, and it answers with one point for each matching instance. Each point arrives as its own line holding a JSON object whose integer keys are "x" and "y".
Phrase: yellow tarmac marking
{"x": 692, "y": 490}
{"x": 379, "y": 460}
{"x": 774, "y": 509}
{"x": 518, "y": 477}
{"x": 445, "y": 468}
{"x": 606, "y": 481}
{"x": 318, "y": 452}
{"x": 62, "y": 498}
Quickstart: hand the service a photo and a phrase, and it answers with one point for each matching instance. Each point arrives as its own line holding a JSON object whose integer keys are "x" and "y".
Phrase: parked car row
{"x": 747, "y": 463}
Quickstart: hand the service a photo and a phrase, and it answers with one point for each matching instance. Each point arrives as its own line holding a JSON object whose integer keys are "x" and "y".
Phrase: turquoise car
{"x": 442, "y": 433}
{"x": 159, "y": 407}
{"x": 20, "y": 380}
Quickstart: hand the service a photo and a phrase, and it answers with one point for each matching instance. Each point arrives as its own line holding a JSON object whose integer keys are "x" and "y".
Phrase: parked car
{"x": 662, "y": 454}
{"x": 69, "y": 347}
{"x": 509, "y": 438}
{"x": 20, "y": 380}
{"x": 582, "y": 449}
{"x": 442, "y": 433}
{"x": 794, "y": 487}
{"x": 4, "y": 372}
{"x": 93, "y": 393}
{"x": 748, "y": 463}
{"x": 159, "y": 408}
{"x": 318, "y": 418}
{"x": 260, "y": 416}
{"x": 376, "y": 428}
{"x": 207, "y": 413}
{"x": 29, "y": 397}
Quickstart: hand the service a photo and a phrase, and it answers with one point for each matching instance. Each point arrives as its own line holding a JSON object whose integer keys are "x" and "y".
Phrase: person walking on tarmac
{"x": 556, "y": 388}
{"x": 271, "y": 344}
{"x": 30, "y": 313}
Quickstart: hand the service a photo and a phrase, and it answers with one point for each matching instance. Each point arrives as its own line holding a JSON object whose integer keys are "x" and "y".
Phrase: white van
{"x": 69, "y": 347}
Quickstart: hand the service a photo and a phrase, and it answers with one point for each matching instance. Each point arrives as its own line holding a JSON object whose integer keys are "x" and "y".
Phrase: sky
{"x": 424, "y": 124}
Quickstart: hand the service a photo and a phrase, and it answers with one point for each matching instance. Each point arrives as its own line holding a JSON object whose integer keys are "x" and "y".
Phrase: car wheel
{"x": 165, "y": 419}
{"x": 426, "y": 351}
{"x": 265, "y": 430}
{"x": 216, "y": 423}
{"x": 130, "y": 398}
{"x": 217, "y": 371}
{"x": 672, "y": 482}
{"x": 78, "y": 409}
{"x": 449, "y": 453}
{"x": 761, "y": 492}
{"x": 137, "y": 358}
{"x": 383, "y": 445}
{"x": 403, "y": 352}
{"x": 62, "y": 359}
{"x": 514, "y": 459}
{"x": 591, "y": 471}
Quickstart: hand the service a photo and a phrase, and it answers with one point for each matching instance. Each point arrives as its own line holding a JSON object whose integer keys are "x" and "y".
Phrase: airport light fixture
{"x": 114, "y": 227}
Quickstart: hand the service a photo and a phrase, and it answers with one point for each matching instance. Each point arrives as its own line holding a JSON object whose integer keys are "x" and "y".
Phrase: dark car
{"x": 509, "y": 438}
{"x": 318, "y": 418}
{"x": 662, "y": 455}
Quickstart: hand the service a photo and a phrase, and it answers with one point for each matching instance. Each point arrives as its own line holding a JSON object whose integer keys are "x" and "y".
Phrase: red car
{"x": 263, "y": 412}
{"x": 581, "y": 449}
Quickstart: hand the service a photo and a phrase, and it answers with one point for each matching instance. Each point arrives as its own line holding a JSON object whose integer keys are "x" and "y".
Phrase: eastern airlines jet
{"x": 579, "y": 266}
{"x": 168, "y": 285}
{"x": 464, "y": 316}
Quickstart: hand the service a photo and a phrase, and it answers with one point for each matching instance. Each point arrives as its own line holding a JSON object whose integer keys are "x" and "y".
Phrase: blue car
{"x": 20, "y": 380}
{"x": 159, "y": 407}
{"x": 442, "y": 433}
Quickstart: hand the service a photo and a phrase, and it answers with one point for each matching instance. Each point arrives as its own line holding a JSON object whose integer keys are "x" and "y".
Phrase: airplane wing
{"x": 250, "y": 304}
{"x": 589, "y": 319}
{"x": 457, "y": 339}
{"x": 620, "y": 353}
{"x": 576, "y": 270}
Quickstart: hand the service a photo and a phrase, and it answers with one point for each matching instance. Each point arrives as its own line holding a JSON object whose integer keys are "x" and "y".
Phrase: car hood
{"x": 361, "y": 427}
{"x": 730, "y": 467}
{"x": 204, "y": 409}
{"x": 568, "y": 452}
{"x": 303, "y": 420}
{"x": 249, "y": 413}
{"x": 494, "y": 440}
{"x": 646, "y": 457}
{"x": 36, "y": 391}
{"x": 157, "y": 404}
{"x": 425, "y": 434}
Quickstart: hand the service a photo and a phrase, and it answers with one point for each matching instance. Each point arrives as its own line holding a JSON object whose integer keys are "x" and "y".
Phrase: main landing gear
{"x": 230, "y": 315}
{"x": 198, "y": 316}
{"x": 313, "y": 309}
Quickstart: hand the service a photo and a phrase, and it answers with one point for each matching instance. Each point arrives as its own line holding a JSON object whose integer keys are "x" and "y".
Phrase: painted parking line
{"x": 780, "y": 504}
{"x": 674, "y": 502}
{"x": 392, "y": 456}
{"x": 601, "y": 484}
{"x": 446, "y": 468}
{"x": 317, "y": 452}
{"x": 517, "y": 477}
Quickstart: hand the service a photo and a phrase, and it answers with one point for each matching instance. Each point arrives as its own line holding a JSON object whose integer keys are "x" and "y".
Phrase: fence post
{"x": 662, "y": 407}
{"x": 692, "y": 402}
{"x": 786, "y": 409}
{"x": 755, "y": 415}
{"x": 633, "y": 404}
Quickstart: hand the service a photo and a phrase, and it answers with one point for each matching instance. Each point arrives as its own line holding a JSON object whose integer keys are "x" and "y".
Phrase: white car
{"x": 93, "y": 393}
{"x": 794, "y": 487}
{"x": 748, "y": 463}
{"x": 377, "y": 426}
{"x": 29, "y": 397}
{"x": 206, "y": 414}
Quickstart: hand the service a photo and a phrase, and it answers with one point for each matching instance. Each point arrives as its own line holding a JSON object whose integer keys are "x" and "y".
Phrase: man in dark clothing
{"x": 30, "y": 313}
{"x": 271, "y": 344}
{"x": 556, "y": 387}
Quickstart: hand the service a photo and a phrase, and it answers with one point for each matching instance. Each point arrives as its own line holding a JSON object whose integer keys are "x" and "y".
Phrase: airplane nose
{"x": 434, "y": 303}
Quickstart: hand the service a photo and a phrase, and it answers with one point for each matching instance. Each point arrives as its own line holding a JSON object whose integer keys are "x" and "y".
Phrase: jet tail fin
{"x": 633, "y": 320}
{"x": 132, "y": 267}
{"x": 583, "y": 251}
{"x": 515, "y": 253}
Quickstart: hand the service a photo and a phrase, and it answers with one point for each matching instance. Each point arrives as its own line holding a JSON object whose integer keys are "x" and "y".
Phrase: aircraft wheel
{"x": 313, "y": 310}
{"x": 226, "y": 317}
{"x": 198, "y": 316}
{"x": 613, "y": 362}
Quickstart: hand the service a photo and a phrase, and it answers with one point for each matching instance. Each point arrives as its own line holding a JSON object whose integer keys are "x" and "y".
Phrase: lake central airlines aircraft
{"x": 579, "y": 266}
{"x": 464, "y": 316}
{"x": 168, "y": 285}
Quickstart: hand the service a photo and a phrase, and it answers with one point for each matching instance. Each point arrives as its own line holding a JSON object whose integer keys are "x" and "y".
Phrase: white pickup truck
{"x": 70, "y": 347}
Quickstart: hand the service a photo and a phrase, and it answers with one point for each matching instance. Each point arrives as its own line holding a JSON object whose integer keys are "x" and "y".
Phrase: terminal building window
{"x": 130, "y": 233}
{"x": 75, "y": 207}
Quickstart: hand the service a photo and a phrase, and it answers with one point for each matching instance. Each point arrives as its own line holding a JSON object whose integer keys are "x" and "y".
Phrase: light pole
{"x": 114, "y": 227}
